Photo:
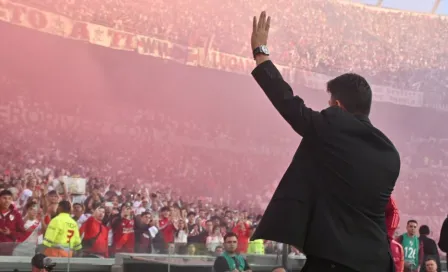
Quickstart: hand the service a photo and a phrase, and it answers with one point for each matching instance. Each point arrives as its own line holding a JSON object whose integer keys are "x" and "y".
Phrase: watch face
{"x": 264, "y": 49}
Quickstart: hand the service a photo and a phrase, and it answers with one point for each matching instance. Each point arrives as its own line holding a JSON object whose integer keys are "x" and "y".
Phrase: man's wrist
{"x": 260, "y": 58}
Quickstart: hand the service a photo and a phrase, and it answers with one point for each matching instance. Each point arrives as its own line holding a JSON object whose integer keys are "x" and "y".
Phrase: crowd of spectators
{"x": 185, "y": 176}
{"x": 326, "y": 36}
{"x": 198, "y": 178}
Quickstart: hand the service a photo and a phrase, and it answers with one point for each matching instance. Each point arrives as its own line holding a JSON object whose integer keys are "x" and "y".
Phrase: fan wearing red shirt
{"x": 95, "y": 240}
{"x": 392, "y": 220}
{"x": 166, "y": 226}
{"x": 123, "y": 229}
{"x": 242, "y": 230}
{"x": 11, "y": 224}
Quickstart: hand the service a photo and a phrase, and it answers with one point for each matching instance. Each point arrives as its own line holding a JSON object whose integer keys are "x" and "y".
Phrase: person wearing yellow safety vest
{"x": 62, "y": 235}
{"x": 256, "y": 246}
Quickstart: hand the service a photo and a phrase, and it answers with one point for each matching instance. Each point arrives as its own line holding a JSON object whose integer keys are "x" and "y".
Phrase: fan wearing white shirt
{"x": 78, "y": 214}
{"x": 214, "y": 239}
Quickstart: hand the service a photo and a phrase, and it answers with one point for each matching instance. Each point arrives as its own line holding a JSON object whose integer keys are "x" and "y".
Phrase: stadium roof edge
{"x": 387, "y": 9}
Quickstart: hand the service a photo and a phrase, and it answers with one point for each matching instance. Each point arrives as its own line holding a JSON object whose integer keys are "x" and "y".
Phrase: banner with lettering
{"x": 47, "y": 22}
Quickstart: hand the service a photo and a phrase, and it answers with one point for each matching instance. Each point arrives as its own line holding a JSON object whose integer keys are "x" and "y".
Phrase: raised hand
{"x": 260, "y": 30}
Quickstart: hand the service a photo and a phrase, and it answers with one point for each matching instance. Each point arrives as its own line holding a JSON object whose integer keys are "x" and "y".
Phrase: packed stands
{"x": 203, "y": 140}
{"x": 380, "y": 43}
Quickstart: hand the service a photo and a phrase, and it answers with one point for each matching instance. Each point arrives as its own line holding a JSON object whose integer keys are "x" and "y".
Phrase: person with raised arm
{"x": 330, "y": 204}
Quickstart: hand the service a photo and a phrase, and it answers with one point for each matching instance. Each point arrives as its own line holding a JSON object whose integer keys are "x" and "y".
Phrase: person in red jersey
{"x": 123, "y": 231}
{"x": 95, "y": 240}
{"x": 11, "y": 224}
{"x": 242, "y": 230}
{"x": 392, "y": 220}
{"x": 166, "y": 227}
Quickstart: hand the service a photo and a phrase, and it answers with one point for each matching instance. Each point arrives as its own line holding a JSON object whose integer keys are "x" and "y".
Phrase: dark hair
{"x": 5, "y": 193}
{"x": 145, "y": 213}
{"x": 216, "y": 227}
{"x": 30, "y": 205}
{"x": 191, "y": 213}
{"x": 165, "y": 209}
{"x": 38, "y": 260}
{"x": 353, "y": 91}
{"x": 424, "y": 230}
{"x": 65, "y": 206}
{"x": 430, "y": 258}
{"x": 229, "y": 235}
{"x": 411, "y": 221}
{"x": 98, "y": 205}
{"x": 78, "y": 204}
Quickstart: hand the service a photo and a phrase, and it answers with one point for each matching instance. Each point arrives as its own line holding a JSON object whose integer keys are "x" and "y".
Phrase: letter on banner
{"x": 80, "y": 31}
{"x": 16, "y": 14}
{"x": 120, "y": 39}
{"x": 37, "y": 19}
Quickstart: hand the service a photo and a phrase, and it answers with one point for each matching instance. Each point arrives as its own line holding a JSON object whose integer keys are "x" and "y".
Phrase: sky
{"x": 413, "y": 5}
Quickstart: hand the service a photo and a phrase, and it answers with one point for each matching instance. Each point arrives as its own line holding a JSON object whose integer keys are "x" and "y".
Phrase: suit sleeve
{"x": 291, "y": 108}
{"x": 443, "y": 240}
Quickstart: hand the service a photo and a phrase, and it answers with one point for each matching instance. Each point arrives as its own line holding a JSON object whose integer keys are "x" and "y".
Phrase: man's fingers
{"x": 254, "y": 27}
{"x": 268, "y": 24}
{"x": 262, "y": 20}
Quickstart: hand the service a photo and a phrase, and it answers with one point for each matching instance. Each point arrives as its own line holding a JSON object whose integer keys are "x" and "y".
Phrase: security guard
{"x": 256, "y": 246}
{"x": 62, "y": 235}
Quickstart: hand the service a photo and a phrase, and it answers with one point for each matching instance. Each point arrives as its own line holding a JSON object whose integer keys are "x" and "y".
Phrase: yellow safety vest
{"x": 256, "y": 247}
{"x": 63, "y": 233}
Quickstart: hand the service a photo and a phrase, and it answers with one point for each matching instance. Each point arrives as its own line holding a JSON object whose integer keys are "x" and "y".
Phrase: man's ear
{"x": 333, "y": 103}
{"x": 338, "y": 103}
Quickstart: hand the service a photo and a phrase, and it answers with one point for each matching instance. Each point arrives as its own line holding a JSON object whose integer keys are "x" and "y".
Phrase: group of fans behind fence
{"x": 111, "y": 221}
{"x": 103, "y": 224}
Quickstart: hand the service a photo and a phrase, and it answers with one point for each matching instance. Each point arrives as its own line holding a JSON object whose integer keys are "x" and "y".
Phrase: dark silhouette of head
{"x": 351, "y": 92}
{"x": 64, "y": 207}
{"x": 424, "y": 230}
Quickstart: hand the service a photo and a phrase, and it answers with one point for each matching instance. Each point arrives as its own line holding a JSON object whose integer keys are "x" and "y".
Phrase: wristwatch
{"x": 261, "y": 50}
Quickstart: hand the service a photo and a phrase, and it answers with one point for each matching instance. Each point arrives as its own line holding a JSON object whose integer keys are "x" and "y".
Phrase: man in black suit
{"x": 443, "y": 239}
{"x": 330, "y": 202}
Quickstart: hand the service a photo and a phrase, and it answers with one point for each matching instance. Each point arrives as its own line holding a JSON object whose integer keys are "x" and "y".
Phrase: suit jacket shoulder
{"x": 306, "y": 121}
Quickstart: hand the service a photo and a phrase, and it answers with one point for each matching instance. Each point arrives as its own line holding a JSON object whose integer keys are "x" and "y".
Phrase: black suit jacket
{"x": 332, "y": 199}
{"x": 443, "y": 240}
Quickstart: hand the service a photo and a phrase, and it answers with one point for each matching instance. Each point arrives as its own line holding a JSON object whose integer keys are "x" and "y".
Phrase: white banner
{"x": 74, "y": 186}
